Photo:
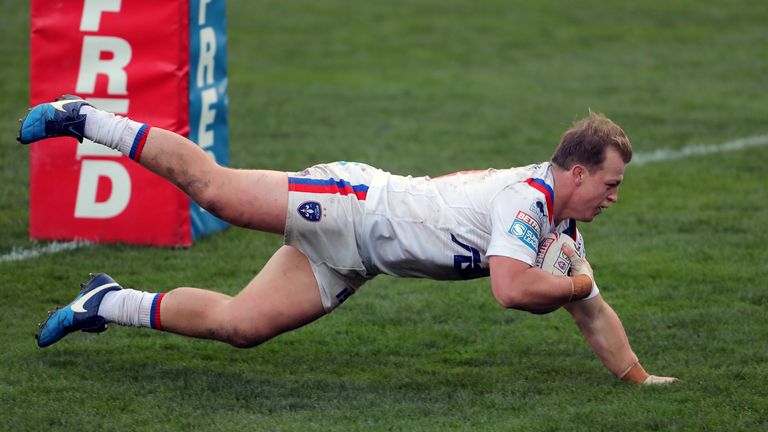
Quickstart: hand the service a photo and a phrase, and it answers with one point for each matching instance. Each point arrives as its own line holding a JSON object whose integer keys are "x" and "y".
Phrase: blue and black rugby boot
{"x": 81, "y": 314}
{"x": 54, "y": 119}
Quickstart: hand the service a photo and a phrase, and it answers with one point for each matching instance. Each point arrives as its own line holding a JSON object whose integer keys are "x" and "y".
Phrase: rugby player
{"x": 344, "y": 223}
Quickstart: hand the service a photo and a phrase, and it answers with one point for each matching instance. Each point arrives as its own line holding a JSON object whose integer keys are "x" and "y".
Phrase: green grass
{"x": 429, "y": 87}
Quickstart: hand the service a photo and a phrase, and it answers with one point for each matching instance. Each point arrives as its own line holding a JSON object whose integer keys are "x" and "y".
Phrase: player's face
{"x": 599, "y": 189}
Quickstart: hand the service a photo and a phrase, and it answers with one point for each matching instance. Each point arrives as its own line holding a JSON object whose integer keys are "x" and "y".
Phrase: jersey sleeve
{"x": 518, "y": 223}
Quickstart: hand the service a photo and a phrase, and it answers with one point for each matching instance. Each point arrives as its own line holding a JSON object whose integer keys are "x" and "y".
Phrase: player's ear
{"x": 577, "y": 174}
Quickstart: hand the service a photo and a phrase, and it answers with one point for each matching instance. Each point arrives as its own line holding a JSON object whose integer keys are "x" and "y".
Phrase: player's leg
{"x": 255, "y": 199}
{"x": 282, "y": 297}
{"x": 250, "y": 198}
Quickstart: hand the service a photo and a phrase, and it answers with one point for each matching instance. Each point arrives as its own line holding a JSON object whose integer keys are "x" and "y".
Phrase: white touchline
{"x": 664, "y": 155}
{"x": 639, "y": 159}
{"x": 34, "y": 252}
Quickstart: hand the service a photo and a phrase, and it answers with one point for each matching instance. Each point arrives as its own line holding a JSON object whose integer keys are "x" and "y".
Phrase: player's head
{"x": 591, "y": 156}
{"x": 586, "y": 141}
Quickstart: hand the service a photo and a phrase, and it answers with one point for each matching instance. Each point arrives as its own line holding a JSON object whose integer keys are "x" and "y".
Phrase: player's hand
{"x": 657, "y": 380}
{"x": 579, "y": 265}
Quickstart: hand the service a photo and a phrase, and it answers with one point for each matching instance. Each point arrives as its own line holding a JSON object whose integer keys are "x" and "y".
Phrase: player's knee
{"x": 205, "y": 188}
{"x": 217, "y": 202}
{"x": 245, "y": 338}
{"x": 228, "y": 327}
{"x": 208, "y": 198}
{"x": 245, "y": 342}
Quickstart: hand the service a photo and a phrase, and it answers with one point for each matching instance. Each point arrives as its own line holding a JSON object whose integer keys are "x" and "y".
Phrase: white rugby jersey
{"x": 447, "y": 227}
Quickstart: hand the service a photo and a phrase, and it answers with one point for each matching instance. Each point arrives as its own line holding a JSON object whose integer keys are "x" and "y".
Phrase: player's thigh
{"x": 255, "y": 199}
{"x": 282, "y": 297}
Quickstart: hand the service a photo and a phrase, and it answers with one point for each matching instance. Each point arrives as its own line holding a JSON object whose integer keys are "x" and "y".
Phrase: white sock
{"x": 114, "y": 131}
{"x": 130, "y": 307}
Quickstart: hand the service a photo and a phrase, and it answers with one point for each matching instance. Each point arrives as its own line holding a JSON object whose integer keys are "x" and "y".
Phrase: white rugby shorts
{"x": 326, "y": 204}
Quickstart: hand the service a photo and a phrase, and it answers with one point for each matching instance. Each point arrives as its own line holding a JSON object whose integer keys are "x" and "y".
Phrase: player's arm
{"x": 604, "y": 332}
{"x": 518, "y": 285}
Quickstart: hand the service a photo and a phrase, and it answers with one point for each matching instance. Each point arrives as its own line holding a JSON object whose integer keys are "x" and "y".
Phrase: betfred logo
{"x": 121, "y": 59}
{"x": 543, "y": 248}
{"x": 102, "y": 57}
{"x": 528, "y": 219}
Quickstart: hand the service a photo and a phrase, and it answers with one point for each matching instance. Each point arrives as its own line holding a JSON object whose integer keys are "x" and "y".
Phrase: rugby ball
{"x": 551, "y": 257}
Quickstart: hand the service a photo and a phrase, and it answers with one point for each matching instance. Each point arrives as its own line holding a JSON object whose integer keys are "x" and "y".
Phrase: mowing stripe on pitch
{"x": 639, "y": 159}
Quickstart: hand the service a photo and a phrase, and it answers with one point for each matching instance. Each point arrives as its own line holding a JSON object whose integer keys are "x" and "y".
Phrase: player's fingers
{"x": 576, "y": 260}
{"x": 569, "y": 251}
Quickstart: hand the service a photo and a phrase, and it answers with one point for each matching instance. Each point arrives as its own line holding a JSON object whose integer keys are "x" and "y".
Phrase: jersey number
{"x": 467, "y": 265}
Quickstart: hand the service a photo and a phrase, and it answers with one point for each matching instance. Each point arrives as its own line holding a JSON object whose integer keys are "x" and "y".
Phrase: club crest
{"x": 310, "y": 211}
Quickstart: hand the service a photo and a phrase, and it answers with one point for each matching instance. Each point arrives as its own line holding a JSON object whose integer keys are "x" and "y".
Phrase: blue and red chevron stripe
{"x": 541, "y": 186}
{"x": 331, "y": 186}
{"x": 138, "y": 142}
{"x": 154, "y": 314}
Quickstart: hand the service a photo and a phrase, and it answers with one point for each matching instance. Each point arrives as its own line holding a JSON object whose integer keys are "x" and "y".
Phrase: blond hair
{"x": 585, "y": 142}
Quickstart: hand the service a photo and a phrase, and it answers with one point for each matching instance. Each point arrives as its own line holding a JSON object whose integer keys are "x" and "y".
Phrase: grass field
{"x": 429, "y": 87}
